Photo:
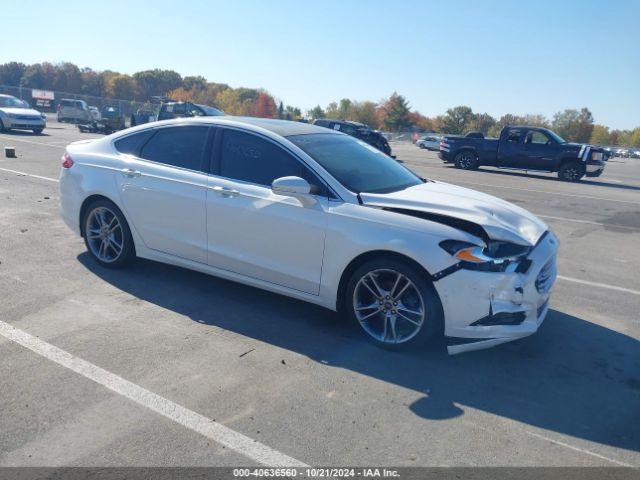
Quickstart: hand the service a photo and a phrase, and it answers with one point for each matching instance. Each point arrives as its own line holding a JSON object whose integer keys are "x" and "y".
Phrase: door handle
{"x": 130, "y": 172}
{"x": 225, "y": 191}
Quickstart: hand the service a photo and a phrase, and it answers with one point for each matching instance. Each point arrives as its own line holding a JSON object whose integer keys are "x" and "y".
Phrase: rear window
{"x": 131, "y": 144}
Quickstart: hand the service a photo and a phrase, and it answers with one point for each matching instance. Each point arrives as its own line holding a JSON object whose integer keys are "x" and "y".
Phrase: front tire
{"x": 2, "y": 129}
{"x": 571, "y": 171}
{"x": 422, "y": 146}
{"x": 393, "y": 303}
{"x": 106, "y": 234}
{"x": 466, "y": 160}
{"x": 37, "y": 131}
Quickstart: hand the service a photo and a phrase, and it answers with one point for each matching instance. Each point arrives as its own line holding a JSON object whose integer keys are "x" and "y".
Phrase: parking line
{"x": 578, "y": 449}
{"x": 194, "y": 421}
{"x": 600, "y": 285}
{"x": 29, "y": 141}
{"x": 588, "y": 222}
{"x": 29, "y": 175}
{"x": 542, "y": 191}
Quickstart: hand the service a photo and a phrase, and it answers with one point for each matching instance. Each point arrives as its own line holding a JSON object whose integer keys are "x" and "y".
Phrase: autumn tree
{"x": 364, "y": 112}
{"x": 316, "y": 112}
{"x": 574, "y": 125}
{"x": 264, "y": 106}
{"x": 156, "y": 82}
{"x": 458, "y": 120}
{"x": 394, "y": 113}
{"x": 122, "y": 87}
{"x": 292, "y": 113}
{"x": 11, "y": 73}
{"x": 482, "y": 122}
{"x": 600, "y": 135}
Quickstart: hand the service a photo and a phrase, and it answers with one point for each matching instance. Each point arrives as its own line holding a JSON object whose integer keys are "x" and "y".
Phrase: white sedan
{"x": 318, "y": 215}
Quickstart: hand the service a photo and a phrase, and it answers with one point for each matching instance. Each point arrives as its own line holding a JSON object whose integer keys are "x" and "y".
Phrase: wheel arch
{"x": 364, "y": 257}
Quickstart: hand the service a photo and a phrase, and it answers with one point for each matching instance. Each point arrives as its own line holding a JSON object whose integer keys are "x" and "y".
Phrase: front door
{"x": 540, "y": 151}
{"x": 255, "y": 232}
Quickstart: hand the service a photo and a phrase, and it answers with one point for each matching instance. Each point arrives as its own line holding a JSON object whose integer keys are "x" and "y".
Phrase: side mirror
{"x": 291, "y": 186}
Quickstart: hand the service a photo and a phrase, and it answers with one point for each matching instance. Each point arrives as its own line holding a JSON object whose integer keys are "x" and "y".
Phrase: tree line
{"x": 391, "y": 114}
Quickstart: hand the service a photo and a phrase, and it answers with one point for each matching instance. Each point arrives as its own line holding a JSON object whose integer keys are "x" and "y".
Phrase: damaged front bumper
{"x": 483, "y": 309}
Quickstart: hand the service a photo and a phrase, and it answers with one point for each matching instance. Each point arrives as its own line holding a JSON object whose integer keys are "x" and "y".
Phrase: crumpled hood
{"x": 21, "y": 111}
{"x": 501, "y": 220}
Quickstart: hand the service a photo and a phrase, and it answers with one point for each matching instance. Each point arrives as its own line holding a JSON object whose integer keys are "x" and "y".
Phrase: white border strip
{"x": 29, "y": 175}
{"x": 187, "y": 418}
{"x": 600, "y": 285}
{"x": 578, "y": 449}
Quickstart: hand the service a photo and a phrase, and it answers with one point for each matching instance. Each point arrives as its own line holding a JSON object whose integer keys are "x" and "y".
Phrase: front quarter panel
{"x": 353, "y": 230}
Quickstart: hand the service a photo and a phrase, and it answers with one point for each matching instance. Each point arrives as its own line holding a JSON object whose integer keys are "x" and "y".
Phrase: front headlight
{"x": 494, "y": 256}
{"x": 44, "y": 117}
{"x": 596, "y": 156}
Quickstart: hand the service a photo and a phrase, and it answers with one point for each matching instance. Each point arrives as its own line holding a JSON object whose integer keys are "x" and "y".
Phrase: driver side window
{"x": 250, "y": 158}
{"x": 536, "y": 138}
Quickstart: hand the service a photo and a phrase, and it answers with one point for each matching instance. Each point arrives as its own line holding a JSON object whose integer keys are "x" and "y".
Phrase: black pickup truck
{"x": 525, "y": 148}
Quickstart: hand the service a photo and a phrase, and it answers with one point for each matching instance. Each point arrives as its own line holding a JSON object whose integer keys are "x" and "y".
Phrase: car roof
{"x": 284, "y": 128}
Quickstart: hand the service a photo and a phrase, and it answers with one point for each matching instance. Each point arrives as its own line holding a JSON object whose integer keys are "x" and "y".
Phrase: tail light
{"x": 67, "y": 161}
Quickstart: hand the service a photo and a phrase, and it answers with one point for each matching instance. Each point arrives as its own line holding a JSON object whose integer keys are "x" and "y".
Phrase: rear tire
{"x": 571, "y": 171}
{"x": 393, "y": 303}
{"x": 466, "y": 160}
{"x": 422, "y": 146}
{"x": 107, "y": 235}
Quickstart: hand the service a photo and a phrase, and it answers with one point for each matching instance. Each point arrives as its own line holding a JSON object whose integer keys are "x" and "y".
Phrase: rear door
{"x": 163, "y": 188}
{"x": 252, "y": 230}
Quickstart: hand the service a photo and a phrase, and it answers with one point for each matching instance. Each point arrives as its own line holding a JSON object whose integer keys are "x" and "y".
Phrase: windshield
{"x": 210, "y": 111}
{"x": 12, "y": 102}
{"x": 356, "y": 164}
{"x": 556, "y": 137}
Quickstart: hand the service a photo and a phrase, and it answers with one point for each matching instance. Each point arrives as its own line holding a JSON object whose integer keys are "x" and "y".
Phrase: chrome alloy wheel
{"x": 388, "y": 306}
{"x": 104, "y": 234}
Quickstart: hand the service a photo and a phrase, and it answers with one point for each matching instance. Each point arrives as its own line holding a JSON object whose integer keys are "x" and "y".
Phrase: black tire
{"x": 1, "y": 126}
{"x": 571, "y": 171}
{"x": 422, "y": 146}
{"x": 37, "y": 131}
{"x": 432, "y": 322}
{"x": 466, "y": 160}
{"x": 128, "y": 252}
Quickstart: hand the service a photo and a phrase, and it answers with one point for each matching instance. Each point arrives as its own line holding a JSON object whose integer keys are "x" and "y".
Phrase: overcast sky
{"x": 494, "y": 56}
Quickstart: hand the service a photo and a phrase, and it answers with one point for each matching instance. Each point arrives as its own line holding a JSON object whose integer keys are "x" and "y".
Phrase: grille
{"x": 27, "y": 117}
{"x": 546, "y": 277}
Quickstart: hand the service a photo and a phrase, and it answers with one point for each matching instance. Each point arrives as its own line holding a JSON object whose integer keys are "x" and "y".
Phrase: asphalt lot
{"x": 296, "y": 378}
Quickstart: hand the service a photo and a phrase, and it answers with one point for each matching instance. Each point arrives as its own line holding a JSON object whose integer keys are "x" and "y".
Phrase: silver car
{"x": 16, "y": 113}
{"x": 430, "y": 142}
{"x": 76, "y": 111}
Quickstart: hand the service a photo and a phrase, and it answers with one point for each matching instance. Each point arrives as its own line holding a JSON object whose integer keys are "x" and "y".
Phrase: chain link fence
{"x": 48, "y": 100}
